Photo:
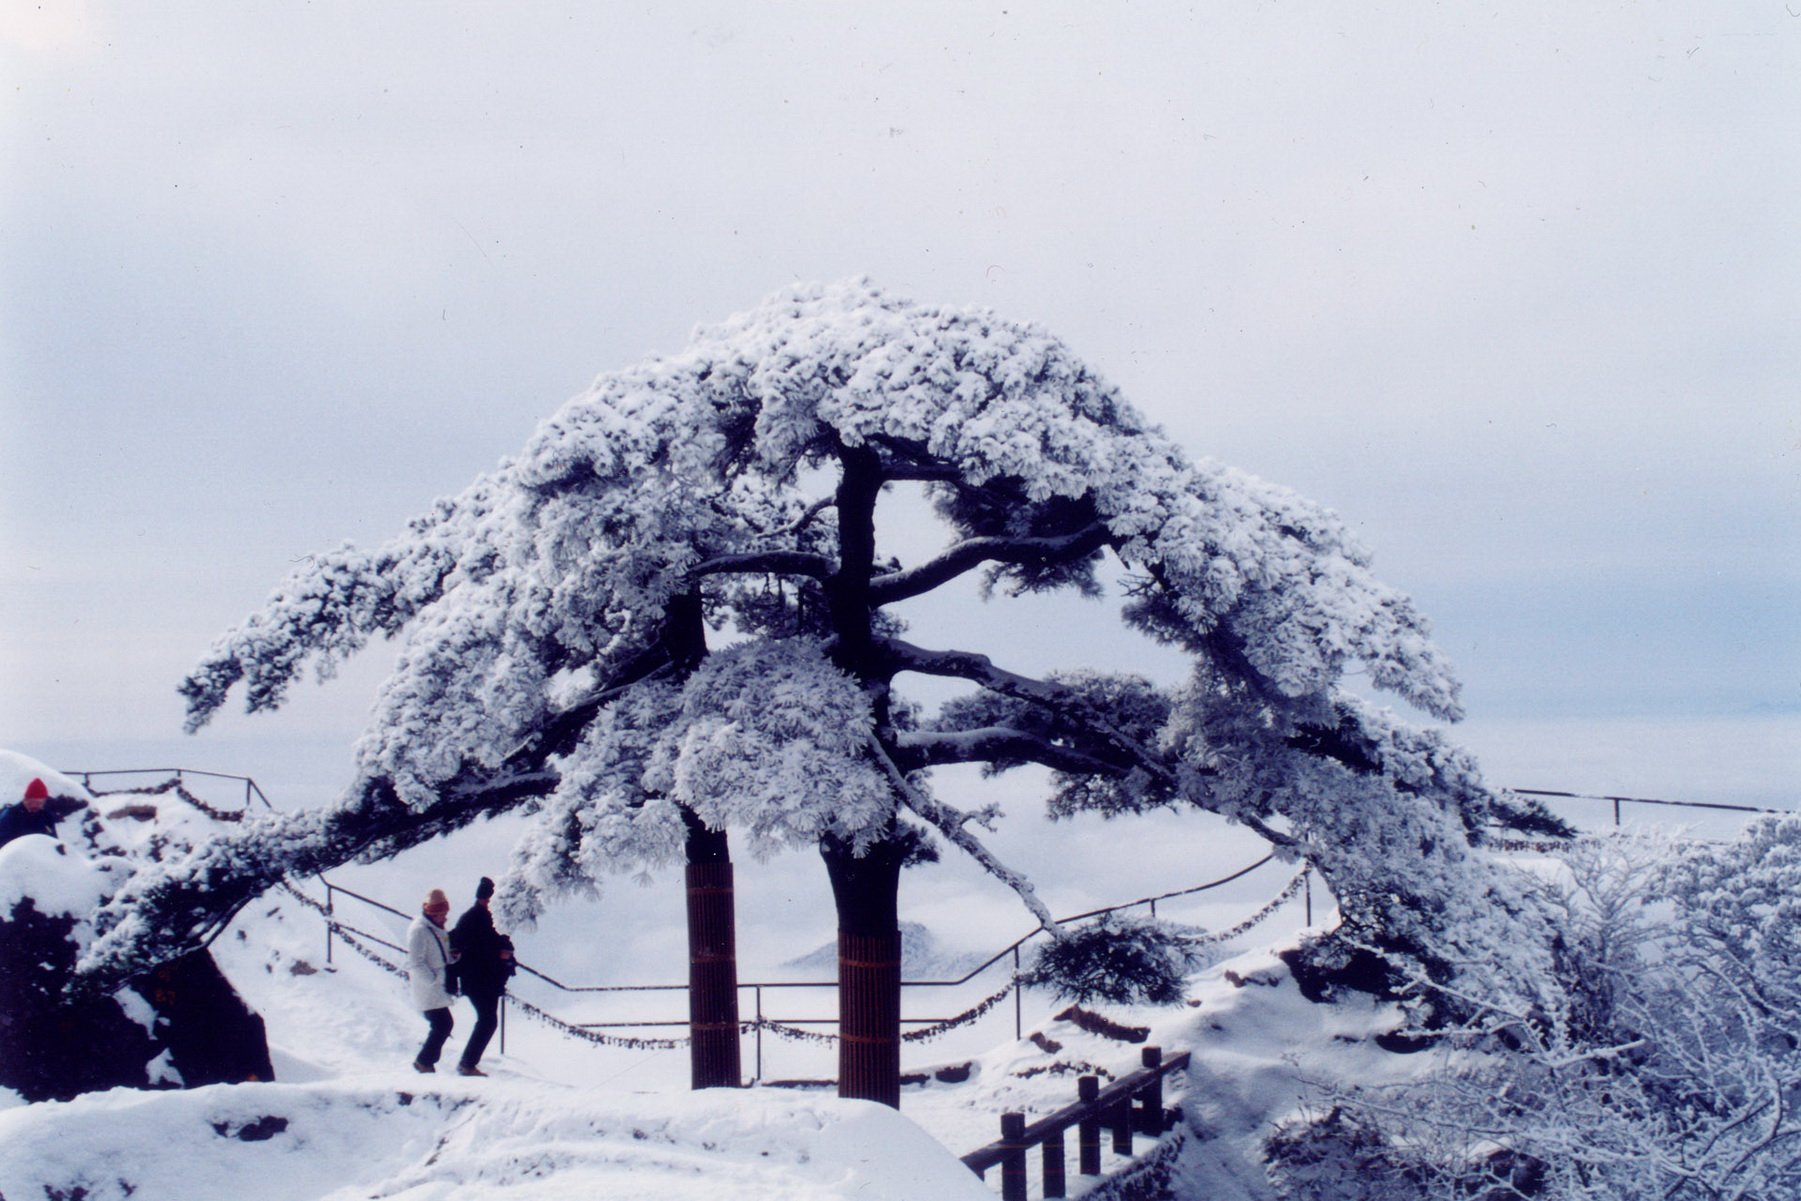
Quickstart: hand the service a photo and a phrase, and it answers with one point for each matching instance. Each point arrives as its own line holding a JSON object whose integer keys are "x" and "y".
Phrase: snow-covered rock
{"x": 179, "y": 1024}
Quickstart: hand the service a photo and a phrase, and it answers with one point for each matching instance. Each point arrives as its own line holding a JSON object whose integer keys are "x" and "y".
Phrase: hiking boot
{"x": 423, "y": 1067}
{"x": 464, "y": 1069}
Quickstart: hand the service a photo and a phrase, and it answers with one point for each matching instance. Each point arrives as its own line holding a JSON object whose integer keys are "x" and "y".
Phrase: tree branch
{"x": 1068, "y": 705}
{"x": 185, "y": 904}
{"x": 973, "y": 552}
{"x": 771, "y": 562}
{"x": 800, "y": 523}
{"x": 916, "y": 749}
{"x": 908, "y": 460}
{"x": 951, "y": 823}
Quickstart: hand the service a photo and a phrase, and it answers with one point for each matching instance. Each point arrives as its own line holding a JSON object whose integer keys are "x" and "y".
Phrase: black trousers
{"x": 487, "y": 1021}
{"x": 441, "y": 1022}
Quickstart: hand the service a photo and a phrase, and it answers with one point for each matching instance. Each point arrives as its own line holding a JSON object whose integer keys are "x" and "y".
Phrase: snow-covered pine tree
{"x": 553, "y": 622}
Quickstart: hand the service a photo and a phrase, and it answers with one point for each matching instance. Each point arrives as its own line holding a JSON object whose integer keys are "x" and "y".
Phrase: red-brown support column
{"x": 866, "y": 889}
{"x": 713, "y": 1054}
{"x": 712, "y": 978}
{"x": 869, "y": 1017}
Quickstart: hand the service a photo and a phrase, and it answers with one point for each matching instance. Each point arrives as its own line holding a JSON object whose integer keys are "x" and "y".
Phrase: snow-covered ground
{"x": 563, "y": 1117}
{"x": 560, "y": 1116}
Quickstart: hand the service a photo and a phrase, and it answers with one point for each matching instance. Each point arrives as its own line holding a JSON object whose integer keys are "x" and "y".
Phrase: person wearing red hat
{"x": 28, "y": 815}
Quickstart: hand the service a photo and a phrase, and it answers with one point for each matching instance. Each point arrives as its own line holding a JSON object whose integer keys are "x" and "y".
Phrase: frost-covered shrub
{"x": 1334, "y": 1156}
{"x": 1117, "y": 958}
{"x": 1665, "y": 1061}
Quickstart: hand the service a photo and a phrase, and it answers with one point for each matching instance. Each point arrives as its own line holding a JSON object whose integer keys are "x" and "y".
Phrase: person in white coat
{"x": 428, "y": 960}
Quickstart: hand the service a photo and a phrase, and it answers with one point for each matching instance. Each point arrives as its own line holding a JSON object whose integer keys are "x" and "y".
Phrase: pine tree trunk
{"x": 713, "y": 1048}
{"x": 867, "y": 891}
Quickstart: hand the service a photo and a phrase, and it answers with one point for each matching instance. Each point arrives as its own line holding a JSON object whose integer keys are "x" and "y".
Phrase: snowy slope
{"x": 387, "y": 1135}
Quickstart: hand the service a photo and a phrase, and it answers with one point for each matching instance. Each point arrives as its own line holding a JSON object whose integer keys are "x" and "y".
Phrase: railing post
{"x": 1013, "y": 1162}
{"x": 1088, "y": 1130}
{"x": 1019, "y": 1004}
{"x": 1120, "y": 1118}
{"x": 328, "y": 919}
{"x": 1616, "y": 811}
{"x": 759, "y": 1033}
{"x": 1150, "y": 1098}
{"x": 503, "y": 1023}
{"x": 1307, "y": 887}
{"x": 1054, "y": 1183}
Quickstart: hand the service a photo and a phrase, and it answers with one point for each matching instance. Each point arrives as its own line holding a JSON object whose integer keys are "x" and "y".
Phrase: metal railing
{"x": 795, "y": 1026}
{"x": 252, "y": 792}
{"x": 1618, "y": 801}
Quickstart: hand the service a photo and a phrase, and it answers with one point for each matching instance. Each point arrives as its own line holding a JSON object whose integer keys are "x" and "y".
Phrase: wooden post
{"x": 1088, "y": 1130}
{"x": 1019, "y": 1003}
{"x": 1013, "y": 1162}
{"x": 1120, "y": 1118}
{"x": 1054, "y": 1183}
{"x": 1150, "y": 1100}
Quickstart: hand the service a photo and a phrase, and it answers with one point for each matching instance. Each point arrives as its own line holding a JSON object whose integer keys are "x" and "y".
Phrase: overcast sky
{"x": 1513, "y": 288}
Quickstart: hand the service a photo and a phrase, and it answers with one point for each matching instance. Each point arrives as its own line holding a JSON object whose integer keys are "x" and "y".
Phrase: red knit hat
{"x": 35, "y": 791}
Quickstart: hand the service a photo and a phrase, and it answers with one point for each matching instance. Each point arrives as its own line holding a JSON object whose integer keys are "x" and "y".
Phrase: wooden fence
{"x": 1133, "y": 1105}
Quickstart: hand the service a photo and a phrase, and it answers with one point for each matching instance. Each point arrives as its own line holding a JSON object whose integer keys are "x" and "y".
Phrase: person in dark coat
{"x": 484, "y": 958}
{"x": 27, "y": 815}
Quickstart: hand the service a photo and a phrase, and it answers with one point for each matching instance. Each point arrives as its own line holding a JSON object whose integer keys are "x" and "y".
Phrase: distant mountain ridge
{"x": 922, "y": 958}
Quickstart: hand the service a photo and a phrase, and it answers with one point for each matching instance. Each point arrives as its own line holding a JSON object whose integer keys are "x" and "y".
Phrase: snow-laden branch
{"x": 952, "y": 823}
{"x": 973, "y": 552}
{"x": 184, "y": 902}
{"x": 990, "y": 744}
{"x": 804, "y": 520}
{"x": 769, "y": 562}
{"x": 1065, "y": 702}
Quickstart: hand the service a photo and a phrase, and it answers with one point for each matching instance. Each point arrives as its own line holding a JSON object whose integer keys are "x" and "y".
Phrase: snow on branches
{"x": 556, "y": 617}
{"x": 1665, "y": 1060}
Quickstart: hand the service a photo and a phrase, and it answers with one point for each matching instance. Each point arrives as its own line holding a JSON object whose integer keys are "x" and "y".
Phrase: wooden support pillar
{"x": 713, "y": 1051}
{"x": 869, "y": 1017}
{"x": 866, "y": 889}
